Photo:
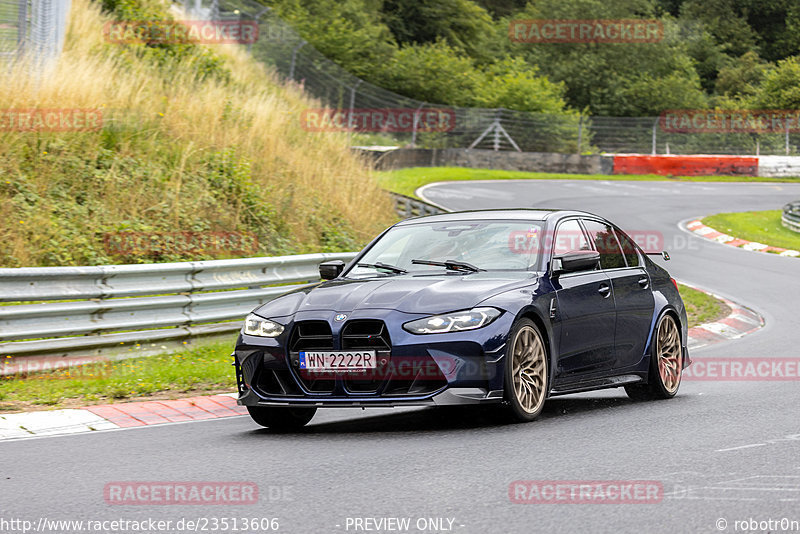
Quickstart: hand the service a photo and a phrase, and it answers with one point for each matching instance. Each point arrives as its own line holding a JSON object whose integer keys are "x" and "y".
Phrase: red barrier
{"x": 686, "y": 165}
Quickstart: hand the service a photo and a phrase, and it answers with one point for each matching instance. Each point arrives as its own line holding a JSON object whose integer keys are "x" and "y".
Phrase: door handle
{"x": 644, "y": 283}
{"x": 604, "y": 290}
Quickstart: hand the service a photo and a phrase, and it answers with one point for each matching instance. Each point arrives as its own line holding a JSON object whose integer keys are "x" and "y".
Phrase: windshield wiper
{"x": 383, "y": 266}
{"x": 450, "y": 265}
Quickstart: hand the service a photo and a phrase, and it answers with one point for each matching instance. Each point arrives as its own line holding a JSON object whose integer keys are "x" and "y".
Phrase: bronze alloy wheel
{"x": 666, "y": 364}
{"x": 669, "y": 354}
{"x": 526, "y": 372}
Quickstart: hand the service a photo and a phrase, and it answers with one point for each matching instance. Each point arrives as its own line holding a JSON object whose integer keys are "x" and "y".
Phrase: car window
{"x": 569, "y": 237}
{"x": 628, "y": 249}
{"x": 605, "y": 242}
{"x": 488, "y": 245}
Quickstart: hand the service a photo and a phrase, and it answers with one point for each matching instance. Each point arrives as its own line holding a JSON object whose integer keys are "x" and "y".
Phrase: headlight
{"x": 453, "y": 322}
{"x": 257, "y": 326}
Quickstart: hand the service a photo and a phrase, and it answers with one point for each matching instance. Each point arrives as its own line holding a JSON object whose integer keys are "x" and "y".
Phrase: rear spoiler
{"x": 664, "y": 254}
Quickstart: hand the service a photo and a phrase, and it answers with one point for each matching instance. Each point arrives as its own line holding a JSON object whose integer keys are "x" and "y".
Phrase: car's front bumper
{"x": 425, "y": 370}
{"x": 447, "y": 397}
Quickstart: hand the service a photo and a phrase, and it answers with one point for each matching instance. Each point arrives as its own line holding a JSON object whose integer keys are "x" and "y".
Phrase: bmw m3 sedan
{"x": 505, "y": 307}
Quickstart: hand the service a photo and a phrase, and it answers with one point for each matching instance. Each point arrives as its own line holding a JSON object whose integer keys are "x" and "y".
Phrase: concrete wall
{"x": 679, "y": 165}
{"x": 489, "y": 159}
{"x": 779, "y": 166}
{"x": 663, "y": 164}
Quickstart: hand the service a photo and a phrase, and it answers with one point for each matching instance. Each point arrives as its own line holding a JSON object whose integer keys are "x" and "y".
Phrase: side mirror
{"x": 331, "y": 269}
{"x": 578, "y": 260}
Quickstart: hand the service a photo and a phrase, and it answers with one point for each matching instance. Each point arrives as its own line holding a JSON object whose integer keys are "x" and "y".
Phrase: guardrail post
{"x": 352, "y": 106}
{"x": 22, "y": 26}
{"x": 414, "y": 130}
{"x": 655, "y": 128}
{"x": 787, "y": 135}
{"x": 294, "y": 58}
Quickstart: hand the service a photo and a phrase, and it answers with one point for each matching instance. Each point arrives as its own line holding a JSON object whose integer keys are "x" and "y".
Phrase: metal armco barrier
{"x": 791, "y": 216}
{"x": 112, "y": 307}
{"x": 408, "y": 207}
{"x": 131, "y": 310}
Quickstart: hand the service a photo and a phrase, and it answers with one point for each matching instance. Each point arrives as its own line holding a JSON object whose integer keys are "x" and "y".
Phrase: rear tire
{"x": 526, "y": 372}
{"x": 666, "y": 364}
{"x": 281, "y": 419}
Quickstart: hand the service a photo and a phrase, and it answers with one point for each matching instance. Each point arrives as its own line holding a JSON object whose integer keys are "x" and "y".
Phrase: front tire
{"x": 666, "y": 364}
{"x": 281, "y": 419}
{"x": 526, "y": 372}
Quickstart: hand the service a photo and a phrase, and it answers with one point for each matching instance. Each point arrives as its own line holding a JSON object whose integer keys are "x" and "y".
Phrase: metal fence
{"x": 295, "y": 59}
{"x": 791, "y": 216}
{"x": 32, "y": 31}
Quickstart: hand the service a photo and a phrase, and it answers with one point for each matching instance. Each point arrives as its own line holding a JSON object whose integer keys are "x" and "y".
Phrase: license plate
{"x": 338, "y": 360}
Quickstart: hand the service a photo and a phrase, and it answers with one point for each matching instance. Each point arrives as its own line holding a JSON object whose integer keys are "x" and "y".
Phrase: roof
{"x": 493, "y": 215}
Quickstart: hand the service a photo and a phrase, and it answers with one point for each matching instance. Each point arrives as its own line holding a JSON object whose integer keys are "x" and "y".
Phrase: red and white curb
{"x": 740, "y": 322}
{"x": 707, "y": 232}
{"x": 117, "y": 416}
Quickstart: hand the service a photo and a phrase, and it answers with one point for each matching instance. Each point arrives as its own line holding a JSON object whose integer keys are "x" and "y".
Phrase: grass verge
{"x": 192, "y": 138}
{"x": 407, "y": 181}
{"x": 202, "y": 370}
{"x": 702, "y": 307}
{"x": 759, "y": 226}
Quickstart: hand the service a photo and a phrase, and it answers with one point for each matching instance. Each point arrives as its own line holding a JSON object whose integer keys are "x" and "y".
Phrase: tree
{"x": 742, "y": 78}
{"x": 770, "y": 28}
{"x": 513, "y": 84}
{"x": 348, "y": 32}
{"x": 462, "y": 24}
{"x": 502, "y": 8}
{"x": 616, "y": 78}
{"x": 781, "y": 87}
{"x": 432, "y": 72}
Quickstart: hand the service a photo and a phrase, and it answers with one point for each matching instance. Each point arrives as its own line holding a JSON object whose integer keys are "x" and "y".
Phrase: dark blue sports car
{"x": 501, "y": 307}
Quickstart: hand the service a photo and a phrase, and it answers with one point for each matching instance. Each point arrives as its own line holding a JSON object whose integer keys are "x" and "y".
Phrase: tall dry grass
{"x": 175, "y": 153}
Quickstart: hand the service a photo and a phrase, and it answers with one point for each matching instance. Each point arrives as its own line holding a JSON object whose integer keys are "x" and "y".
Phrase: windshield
{"x": 490, "y": 246}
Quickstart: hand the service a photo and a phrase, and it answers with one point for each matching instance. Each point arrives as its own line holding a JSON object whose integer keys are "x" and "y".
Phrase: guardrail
{"x": 408, "y": 207}
{"x": 791, "y": 216}
{"x": 132, "y": 310}
{"x": 108, "y": 310}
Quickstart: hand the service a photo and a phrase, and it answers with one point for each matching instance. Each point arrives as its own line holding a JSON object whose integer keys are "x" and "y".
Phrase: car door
{"x": 632, "y": 294}
{"x": 584, "y": 310}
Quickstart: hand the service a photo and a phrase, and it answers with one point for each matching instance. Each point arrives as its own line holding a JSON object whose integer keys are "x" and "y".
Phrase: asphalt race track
{"x": 723, "y": 450}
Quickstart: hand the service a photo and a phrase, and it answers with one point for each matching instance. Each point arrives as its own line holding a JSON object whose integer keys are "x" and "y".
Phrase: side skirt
{"x": 598, "y": 383}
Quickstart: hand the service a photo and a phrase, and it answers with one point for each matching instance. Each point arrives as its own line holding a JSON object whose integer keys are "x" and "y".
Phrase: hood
{"x": 405, "y": 293}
